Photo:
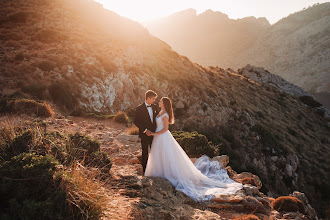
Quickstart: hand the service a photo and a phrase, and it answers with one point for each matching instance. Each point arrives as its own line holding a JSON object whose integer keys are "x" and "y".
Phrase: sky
{"x": 147, "y": 10}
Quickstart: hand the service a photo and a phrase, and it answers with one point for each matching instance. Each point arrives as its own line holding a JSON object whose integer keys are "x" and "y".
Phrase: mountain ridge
{"x": 284, "y": 48}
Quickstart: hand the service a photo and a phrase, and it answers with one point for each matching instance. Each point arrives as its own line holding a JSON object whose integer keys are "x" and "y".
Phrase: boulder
{"x": 248, "y": 178}
{"x": 223, "y": 160}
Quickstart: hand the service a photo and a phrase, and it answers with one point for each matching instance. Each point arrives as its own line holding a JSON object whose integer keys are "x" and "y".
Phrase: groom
{"x": 144, "y": 119}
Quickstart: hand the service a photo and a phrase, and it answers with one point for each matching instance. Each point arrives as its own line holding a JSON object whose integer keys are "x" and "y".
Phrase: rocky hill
{"x": 84, "y": 58}
{"x": 295, "y": 48}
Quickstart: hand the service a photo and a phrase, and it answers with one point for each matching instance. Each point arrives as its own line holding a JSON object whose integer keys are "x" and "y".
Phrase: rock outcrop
{"x": 259, "y": 74}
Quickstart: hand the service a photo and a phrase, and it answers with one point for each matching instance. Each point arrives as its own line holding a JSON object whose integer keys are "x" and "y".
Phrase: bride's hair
{"x": 169, "y": 109}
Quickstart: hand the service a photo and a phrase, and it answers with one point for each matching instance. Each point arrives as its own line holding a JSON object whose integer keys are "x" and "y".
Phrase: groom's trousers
{"x": 146, "y": 143}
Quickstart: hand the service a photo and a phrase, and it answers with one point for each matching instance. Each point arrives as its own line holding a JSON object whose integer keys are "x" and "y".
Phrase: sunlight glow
{"x": 146, "y": 10}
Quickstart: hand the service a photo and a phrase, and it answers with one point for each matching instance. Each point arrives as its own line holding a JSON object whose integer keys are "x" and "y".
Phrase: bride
{"x": 202, "y": 181}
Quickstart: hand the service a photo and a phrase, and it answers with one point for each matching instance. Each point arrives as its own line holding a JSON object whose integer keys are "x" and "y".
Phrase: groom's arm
{"x": 138, "y": 119}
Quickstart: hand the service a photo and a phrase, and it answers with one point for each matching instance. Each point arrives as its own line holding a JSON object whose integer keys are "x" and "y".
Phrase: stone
{"x": 300, "y": 196}
{"x": 223, "y": 160}
{"x": 232, "y": 206}
{"x": 252, "y": 204}
{"x": 274, "y": 215}
{"x": 119, "y": 160}
{"x": 251, "y": 190}
{"x": 228, "y": 198}
{"x": 61, "y": 121}
{"x": 240, "y": 177}
{"x": 288, "y": 170}
{"x": 274, "y": 158}
{"x": 134, "y": 160}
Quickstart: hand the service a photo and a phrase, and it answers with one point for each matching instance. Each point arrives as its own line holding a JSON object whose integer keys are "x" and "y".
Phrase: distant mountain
{"x": 210, "y": 38}
{"x": 296, "y": 48}
{"x": 81, "y": 57}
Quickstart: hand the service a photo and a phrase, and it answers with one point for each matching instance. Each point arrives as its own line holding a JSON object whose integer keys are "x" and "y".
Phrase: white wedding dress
{"x": 201, "y": 182}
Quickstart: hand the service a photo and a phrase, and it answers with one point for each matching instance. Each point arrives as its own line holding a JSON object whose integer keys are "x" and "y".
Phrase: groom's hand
{"x": 148, "y": 132}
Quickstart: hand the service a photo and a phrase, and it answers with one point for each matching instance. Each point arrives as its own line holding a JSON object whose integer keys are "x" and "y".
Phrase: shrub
{"x": 31, "y": 188}
{"x": 195, "y": 144}
{"x": 19, "y": 144}
{"x": 30, "y": 107}
{"x": 83, "y": 142}
{"x": 86, "y": 150}
{"x": 28, "y": 190}
{"x": 121, "y": 117}
{"x": 288, "y": 204}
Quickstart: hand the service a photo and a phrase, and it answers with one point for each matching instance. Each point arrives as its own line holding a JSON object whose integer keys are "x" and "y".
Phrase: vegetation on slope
{"x": 44, "y": 175}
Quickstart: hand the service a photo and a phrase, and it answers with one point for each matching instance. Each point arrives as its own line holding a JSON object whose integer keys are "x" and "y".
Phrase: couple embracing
{"x": 200, "y": 181}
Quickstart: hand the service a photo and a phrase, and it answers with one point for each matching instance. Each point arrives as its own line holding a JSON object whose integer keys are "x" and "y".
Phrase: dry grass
{"x": 30, "y": 107}
{"x": 85, "y": 193}
{"x": 288, "y": 204}
{"x": 133, "y": 130}
{"x": 121, "y": 117}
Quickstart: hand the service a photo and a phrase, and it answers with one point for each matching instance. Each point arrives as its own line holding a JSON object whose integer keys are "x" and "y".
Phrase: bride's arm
{"x": 165, "y": 120}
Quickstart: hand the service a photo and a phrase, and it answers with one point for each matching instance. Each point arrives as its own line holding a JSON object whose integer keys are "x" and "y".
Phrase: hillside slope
{"x": 85, "y": 58}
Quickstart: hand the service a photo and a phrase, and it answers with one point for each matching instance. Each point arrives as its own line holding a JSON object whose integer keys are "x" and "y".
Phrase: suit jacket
{"x": 142, "y": 120}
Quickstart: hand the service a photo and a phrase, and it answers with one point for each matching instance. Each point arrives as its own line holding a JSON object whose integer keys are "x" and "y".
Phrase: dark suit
{"x": 142, "y": 121}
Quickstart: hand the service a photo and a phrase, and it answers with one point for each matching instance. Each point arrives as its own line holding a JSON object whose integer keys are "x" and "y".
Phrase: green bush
{"x": 86, "y": 150}
{"x": 121, "y": 117}
{"x": 28, "y": 190}
{"x": 19, "y": 144}
{"x": 83, "y": 142}
{"x": 195, "y": 144}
